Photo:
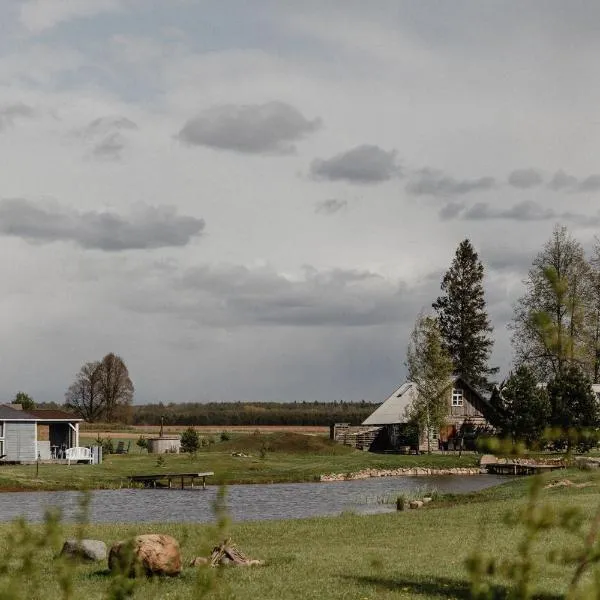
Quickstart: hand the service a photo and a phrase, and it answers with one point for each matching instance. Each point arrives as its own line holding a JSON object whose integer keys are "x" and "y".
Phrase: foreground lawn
{"x": 288, "y": 457}
{"x": 412, "y": 554}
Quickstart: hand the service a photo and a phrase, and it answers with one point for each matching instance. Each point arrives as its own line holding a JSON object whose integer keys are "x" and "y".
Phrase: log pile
{"x": 226, "y": 553}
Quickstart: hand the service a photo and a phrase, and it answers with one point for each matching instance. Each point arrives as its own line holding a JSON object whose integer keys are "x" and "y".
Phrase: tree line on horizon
{"x": 555, "y": 336}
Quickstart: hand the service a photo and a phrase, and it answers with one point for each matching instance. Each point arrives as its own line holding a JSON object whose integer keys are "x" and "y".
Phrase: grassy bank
{"x": 281, "y": 457}
{"x": 412, "y": 554}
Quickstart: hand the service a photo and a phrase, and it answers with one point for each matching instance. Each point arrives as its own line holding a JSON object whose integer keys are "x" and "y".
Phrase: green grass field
{"x": 411, "y": 554}
{"x": 289, "y": 457}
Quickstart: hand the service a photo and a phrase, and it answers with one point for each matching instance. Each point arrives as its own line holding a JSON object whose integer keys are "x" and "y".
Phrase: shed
{"x": 26, "y": 436}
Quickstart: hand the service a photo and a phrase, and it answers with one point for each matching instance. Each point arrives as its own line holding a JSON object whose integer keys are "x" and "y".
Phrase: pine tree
{"x": 463, "y": 319}
{"x": 526, "y": 406}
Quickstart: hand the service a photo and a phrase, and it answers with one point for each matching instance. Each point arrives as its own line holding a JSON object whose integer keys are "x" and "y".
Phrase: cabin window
{"x": 457, "y": 397}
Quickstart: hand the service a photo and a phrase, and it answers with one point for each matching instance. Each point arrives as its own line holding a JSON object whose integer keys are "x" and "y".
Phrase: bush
{"x": 142, "y": 443}
{"x": 225, "y": 437}
{"x": 190, "y": 440}
{"x": 107, "y": 445}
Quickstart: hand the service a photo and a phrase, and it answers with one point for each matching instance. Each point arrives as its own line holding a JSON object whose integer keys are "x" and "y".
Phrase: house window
{"x": 1, "y": 438}
{"x": 457, "y": 397}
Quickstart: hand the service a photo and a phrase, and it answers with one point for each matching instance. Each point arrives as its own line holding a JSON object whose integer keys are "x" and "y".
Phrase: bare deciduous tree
{"x": 101, "y": 390}
{"x": 116, "y": 386}
{"x": 84, "y": 396}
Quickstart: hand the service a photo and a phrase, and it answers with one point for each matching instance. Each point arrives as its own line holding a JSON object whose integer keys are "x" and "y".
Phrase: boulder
{"x": 416, "y": 504}
{"x": 153, "y": 554}
{"x": 91, "y": 550}
{"x": 427, "y": 499}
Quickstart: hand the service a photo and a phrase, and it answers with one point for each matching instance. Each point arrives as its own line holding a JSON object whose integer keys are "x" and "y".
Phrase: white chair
{"x": 78, "y": 453}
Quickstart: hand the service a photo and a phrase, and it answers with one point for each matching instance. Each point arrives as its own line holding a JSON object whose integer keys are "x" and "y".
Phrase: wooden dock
{"x": 154, "y": 481}
{"x": 514, "y": 468}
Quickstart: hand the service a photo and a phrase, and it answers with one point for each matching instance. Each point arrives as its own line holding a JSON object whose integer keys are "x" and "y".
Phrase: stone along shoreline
{"x": 410, "y": 471}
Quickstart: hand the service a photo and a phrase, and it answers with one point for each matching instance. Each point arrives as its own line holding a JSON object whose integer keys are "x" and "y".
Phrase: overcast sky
{"x": 253, "y": 201}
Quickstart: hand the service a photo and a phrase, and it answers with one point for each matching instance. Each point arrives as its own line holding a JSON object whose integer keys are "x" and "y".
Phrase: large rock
{"x": 152, "y": 554}
{"x": 92, "y": 550}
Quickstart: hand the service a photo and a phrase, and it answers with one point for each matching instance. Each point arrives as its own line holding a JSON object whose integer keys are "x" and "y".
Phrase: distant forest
{"x": 242, "y": 413}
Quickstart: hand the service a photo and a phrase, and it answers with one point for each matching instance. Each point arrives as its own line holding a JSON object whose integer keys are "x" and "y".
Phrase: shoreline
{"x": 323, "y": 478}
{"x": 400, "y": 472}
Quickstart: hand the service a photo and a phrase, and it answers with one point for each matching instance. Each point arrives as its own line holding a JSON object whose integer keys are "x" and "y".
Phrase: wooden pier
{"x": 154, "y": 481}
{"x": 514, "y": 468}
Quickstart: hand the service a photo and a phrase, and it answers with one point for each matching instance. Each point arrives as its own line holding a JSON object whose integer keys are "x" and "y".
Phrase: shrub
{"x": 190, "y": 440}
{"x": 225, "y": 436}
{"x": 142, "y": 443}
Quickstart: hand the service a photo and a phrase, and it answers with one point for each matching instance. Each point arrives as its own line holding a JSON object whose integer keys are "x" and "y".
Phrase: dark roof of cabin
{"x": 53, "y": 413}
{"x": 7, "y": 413}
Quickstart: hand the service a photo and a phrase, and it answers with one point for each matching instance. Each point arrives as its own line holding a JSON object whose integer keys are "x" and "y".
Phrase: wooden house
{"x": 467, "y": 408}
{"x": 26, "y": 436}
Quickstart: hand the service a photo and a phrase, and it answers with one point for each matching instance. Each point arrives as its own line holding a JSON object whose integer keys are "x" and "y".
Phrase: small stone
{"x": 199, "y": 561}
{"x": 427, "y": 499}
{"x": 91, "y": 550}
{"x": 416, "y": 504}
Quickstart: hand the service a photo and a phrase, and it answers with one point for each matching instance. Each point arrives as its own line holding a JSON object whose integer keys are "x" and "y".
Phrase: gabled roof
{"x": 393, "y": 410}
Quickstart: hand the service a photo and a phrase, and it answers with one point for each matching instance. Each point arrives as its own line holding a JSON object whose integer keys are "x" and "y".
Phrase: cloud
{"x": 331, "y": 206}
{"x": 564, "y": 181}
{"x": 105, "y": 136}
{"x": 362, "y": 164}
{"x": 589, "y": 184}
{"x": 11, "y": 112}
{"x": 228, "y": 296}
{"x": 252, "y": 129}
{"x": 434, "y": 183}
{"x": 451, "y": 210}
{"x": 144, "y": 228}
{"x": 39, "y": 15}
{"x": 525, "y": 178}
{"x": 527, "y": 210}
{"x": 522, "y": 211}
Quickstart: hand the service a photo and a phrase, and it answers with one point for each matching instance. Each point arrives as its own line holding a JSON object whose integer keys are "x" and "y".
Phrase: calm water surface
{"x": 245, "y": 502}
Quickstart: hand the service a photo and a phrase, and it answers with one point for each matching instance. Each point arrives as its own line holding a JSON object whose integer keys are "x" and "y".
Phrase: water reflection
{"x": 246, "y": 502}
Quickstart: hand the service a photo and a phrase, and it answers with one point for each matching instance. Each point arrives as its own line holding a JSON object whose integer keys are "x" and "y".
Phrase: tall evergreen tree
{"x": 463, "y": 319}
{"x": 526, "y": 407}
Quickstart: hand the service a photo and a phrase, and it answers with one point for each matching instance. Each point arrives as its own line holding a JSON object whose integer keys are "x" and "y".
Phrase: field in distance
{"x": 124, "y": 432}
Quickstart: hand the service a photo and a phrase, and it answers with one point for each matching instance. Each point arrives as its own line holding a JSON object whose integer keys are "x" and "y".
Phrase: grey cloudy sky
{"x": 255, "y": 200}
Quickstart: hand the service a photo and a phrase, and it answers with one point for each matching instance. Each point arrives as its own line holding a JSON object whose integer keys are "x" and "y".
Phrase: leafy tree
{"x": 525, "y": 406}
{"x": 25, "y": 400}
{"x": 430, "y": 369}
{"x": 591, "y": 348}
{"x": 101, "y": 390}
{"x": 116, "y": 386}
{"x": 573, "y": 402}
{"x": 463, "y": 319}
{"x": 84, "y": 395}
{"x": 550, "y": 318}
{"x": 190, "y": 440}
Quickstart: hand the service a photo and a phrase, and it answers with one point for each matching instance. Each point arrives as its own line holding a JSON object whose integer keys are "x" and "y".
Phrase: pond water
{"x": 245, "y": 502}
